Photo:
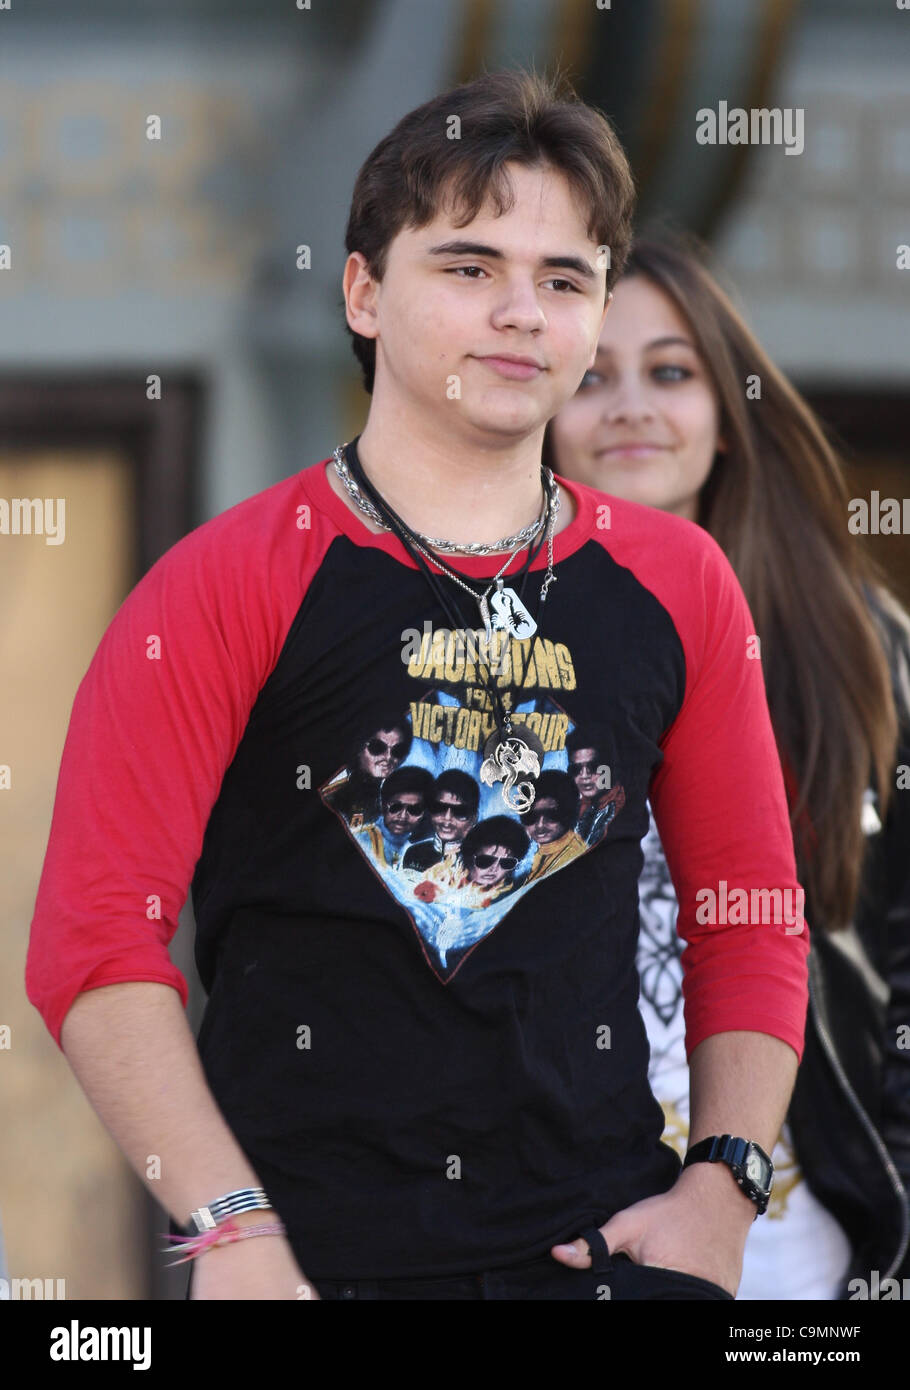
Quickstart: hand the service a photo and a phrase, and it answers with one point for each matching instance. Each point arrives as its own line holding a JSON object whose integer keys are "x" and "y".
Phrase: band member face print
{"x": 403, "y": 813}
{"x": 583, "y": 764}
{"x": 354, "y": 792}
{"x": 442, "y": 842}
{"x": 452, "y": 819}
{"x": 492, "y": 867}
{"x": 546, "y": 820}
{"x": 382, "y": 753}
{"x": 493, "y": 851}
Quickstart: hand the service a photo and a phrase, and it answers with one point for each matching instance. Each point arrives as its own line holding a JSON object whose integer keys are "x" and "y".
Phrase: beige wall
{"x": 70, "y": 1206}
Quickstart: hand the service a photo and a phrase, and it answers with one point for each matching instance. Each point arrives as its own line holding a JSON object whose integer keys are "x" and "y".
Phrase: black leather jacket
{"x": 850, "y": 1110}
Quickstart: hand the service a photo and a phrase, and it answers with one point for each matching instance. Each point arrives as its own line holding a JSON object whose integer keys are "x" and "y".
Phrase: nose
{"x": 625, "y": 399}
{"x": 519, "y": 308}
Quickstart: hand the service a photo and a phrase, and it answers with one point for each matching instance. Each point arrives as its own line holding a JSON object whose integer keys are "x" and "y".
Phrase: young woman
{"x": 683, "y": 411}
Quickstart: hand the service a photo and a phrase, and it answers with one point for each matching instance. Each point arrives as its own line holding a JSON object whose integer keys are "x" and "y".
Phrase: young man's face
{"x": 438, "y": 313}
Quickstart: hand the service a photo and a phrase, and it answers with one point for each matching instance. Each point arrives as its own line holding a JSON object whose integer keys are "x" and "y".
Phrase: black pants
{"x": 609, "y": 1277}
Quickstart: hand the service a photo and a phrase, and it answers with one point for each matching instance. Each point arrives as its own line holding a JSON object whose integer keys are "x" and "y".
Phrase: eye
{"x": 463, "y": 269}
{"x": 590, "y": 378}
{"x": 681, "y": 373}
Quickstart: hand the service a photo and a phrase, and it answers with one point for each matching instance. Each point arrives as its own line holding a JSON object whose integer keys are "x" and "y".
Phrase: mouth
{"x": 516, "y": 368}
{"x": 630, "y": 451}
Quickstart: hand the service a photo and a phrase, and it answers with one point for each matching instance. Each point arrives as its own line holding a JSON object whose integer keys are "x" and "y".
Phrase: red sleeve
{"x": 721, "y": 811}
{"x": 155, "y": 723}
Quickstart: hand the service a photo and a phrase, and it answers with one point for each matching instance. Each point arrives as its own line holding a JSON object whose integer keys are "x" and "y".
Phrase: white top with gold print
{"x": 797, "y": 1250}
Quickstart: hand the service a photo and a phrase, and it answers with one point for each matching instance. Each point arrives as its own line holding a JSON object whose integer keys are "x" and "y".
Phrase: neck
{"x": 441, "y": 487}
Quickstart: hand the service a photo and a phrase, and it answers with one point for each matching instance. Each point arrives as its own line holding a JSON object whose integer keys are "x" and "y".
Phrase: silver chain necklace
{"x": 516, "y": 542}
{"x": 509, "y": 613}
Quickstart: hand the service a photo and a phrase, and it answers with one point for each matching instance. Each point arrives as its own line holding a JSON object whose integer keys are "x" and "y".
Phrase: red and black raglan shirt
{"x": 422, "y": 1022}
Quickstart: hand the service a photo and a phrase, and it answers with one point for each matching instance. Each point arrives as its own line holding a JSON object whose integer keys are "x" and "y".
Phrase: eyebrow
{"x": 657, "y": 343}
{"x": 476, "y": 248}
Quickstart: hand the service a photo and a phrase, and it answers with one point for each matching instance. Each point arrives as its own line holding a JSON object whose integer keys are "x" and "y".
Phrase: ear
{"x": 360, "y": 296}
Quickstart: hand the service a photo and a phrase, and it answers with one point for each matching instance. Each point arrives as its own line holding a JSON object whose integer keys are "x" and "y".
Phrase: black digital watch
{"x": 749, "y": 1164}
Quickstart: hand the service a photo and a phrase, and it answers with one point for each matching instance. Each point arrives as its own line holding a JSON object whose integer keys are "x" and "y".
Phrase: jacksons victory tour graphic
{"x": 445, "y": 844}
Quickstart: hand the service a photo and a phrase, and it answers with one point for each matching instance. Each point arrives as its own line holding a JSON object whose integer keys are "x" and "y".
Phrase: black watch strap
{"x": 736, "y": 1153}
{"x": 718, "y": 1148}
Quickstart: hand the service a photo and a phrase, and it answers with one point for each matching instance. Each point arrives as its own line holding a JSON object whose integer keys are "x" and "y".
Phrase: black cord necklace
{"x": 506, "y": 755}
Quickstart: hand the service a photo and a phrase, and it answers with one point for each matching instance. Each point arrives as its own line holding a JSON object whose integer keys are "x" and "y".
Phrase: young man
{"x": 441, "y": 1096}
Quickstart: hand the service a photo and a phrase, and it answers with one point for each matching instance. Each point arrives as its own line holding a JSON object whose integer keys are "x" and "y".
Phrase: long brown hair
{"x": 777, "y": 504}
{"x": 457, "y": 144}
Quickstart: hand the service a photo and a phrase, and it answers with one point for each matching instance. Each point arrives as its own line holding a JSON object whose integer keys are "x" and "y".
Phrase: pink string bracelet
{"x": 224, "y": 1234}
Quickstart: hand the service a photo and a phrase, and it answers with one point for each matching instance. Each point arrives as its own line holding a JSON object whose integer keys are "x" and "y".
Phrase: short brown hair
{"x": 513, "y": 115}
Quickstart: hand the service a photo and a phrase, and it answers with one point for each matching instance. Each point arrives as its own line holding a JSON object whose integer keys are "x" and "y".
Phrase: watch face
{"x": 755, "y": 1170}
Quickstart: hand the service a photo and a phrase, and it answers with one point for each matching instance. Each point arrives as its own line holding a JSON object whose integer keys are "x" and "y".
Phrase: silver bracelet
{"x": 231, "y": 1204}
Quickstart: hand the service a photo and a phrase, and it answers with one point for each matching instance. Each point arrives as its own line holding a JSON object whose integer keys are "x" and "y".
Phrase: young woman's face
{"x": 643, "y": 424}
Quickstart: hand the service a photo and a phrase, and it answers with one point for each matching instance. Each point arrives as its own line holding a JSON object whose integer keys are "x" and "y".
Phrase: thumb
{"x": 618, "y": 1232}
{"x": 576, "y": 1252}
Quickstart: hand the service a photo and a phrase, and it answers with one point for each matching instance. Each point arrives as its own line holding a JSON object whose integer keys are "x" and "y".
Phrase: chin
{"x": 507, "y": 416}
{"x": 648, "y": 492}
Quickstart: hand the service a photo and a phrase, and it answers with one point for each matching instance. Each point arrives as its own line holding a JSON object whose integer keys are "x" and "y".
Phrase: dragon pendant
{"x": 506, "y": 761}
